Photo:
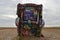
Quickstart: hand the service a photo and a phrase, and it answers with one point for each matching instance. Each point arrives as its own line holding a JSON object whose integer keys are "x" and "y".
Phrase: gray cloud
{"x": 7, "y": 7}
{"x": 51, "y": 12}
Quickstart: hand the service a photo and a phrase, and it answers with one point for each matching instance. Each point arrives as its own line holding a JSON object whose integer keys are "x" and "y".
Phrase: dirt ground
{"x": 11, "y": 34}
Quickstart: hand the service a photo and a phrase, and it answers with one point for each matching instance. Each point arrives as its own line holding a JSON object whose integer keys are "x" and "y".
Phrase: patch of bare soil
{"x": 11, "y": 34}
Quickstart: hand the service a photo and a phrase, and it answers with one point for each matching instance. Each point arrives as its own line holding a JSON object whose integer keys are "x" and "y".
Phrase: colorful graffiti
{"x": 29, "y": 19}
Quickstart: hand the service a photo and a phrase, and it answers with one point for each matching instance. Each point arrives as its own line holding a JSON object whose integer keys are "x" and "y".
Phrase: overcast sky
{"x": 51, "y": 12}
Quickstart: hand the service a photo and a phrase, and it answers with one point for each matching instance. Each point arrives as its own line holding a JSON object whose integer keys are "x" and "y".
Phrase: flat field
{"x": 11, "y": 34}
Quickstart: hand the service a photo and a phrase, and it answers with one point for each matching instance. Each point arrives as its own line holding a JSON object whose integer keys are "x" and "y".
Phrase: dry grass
{"x": 11, "y": 34}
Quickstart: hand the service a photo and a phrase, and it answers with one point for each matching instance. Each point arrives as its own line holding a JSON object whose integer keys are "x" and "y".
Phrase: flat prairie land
{"x": 11, "y": 34}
